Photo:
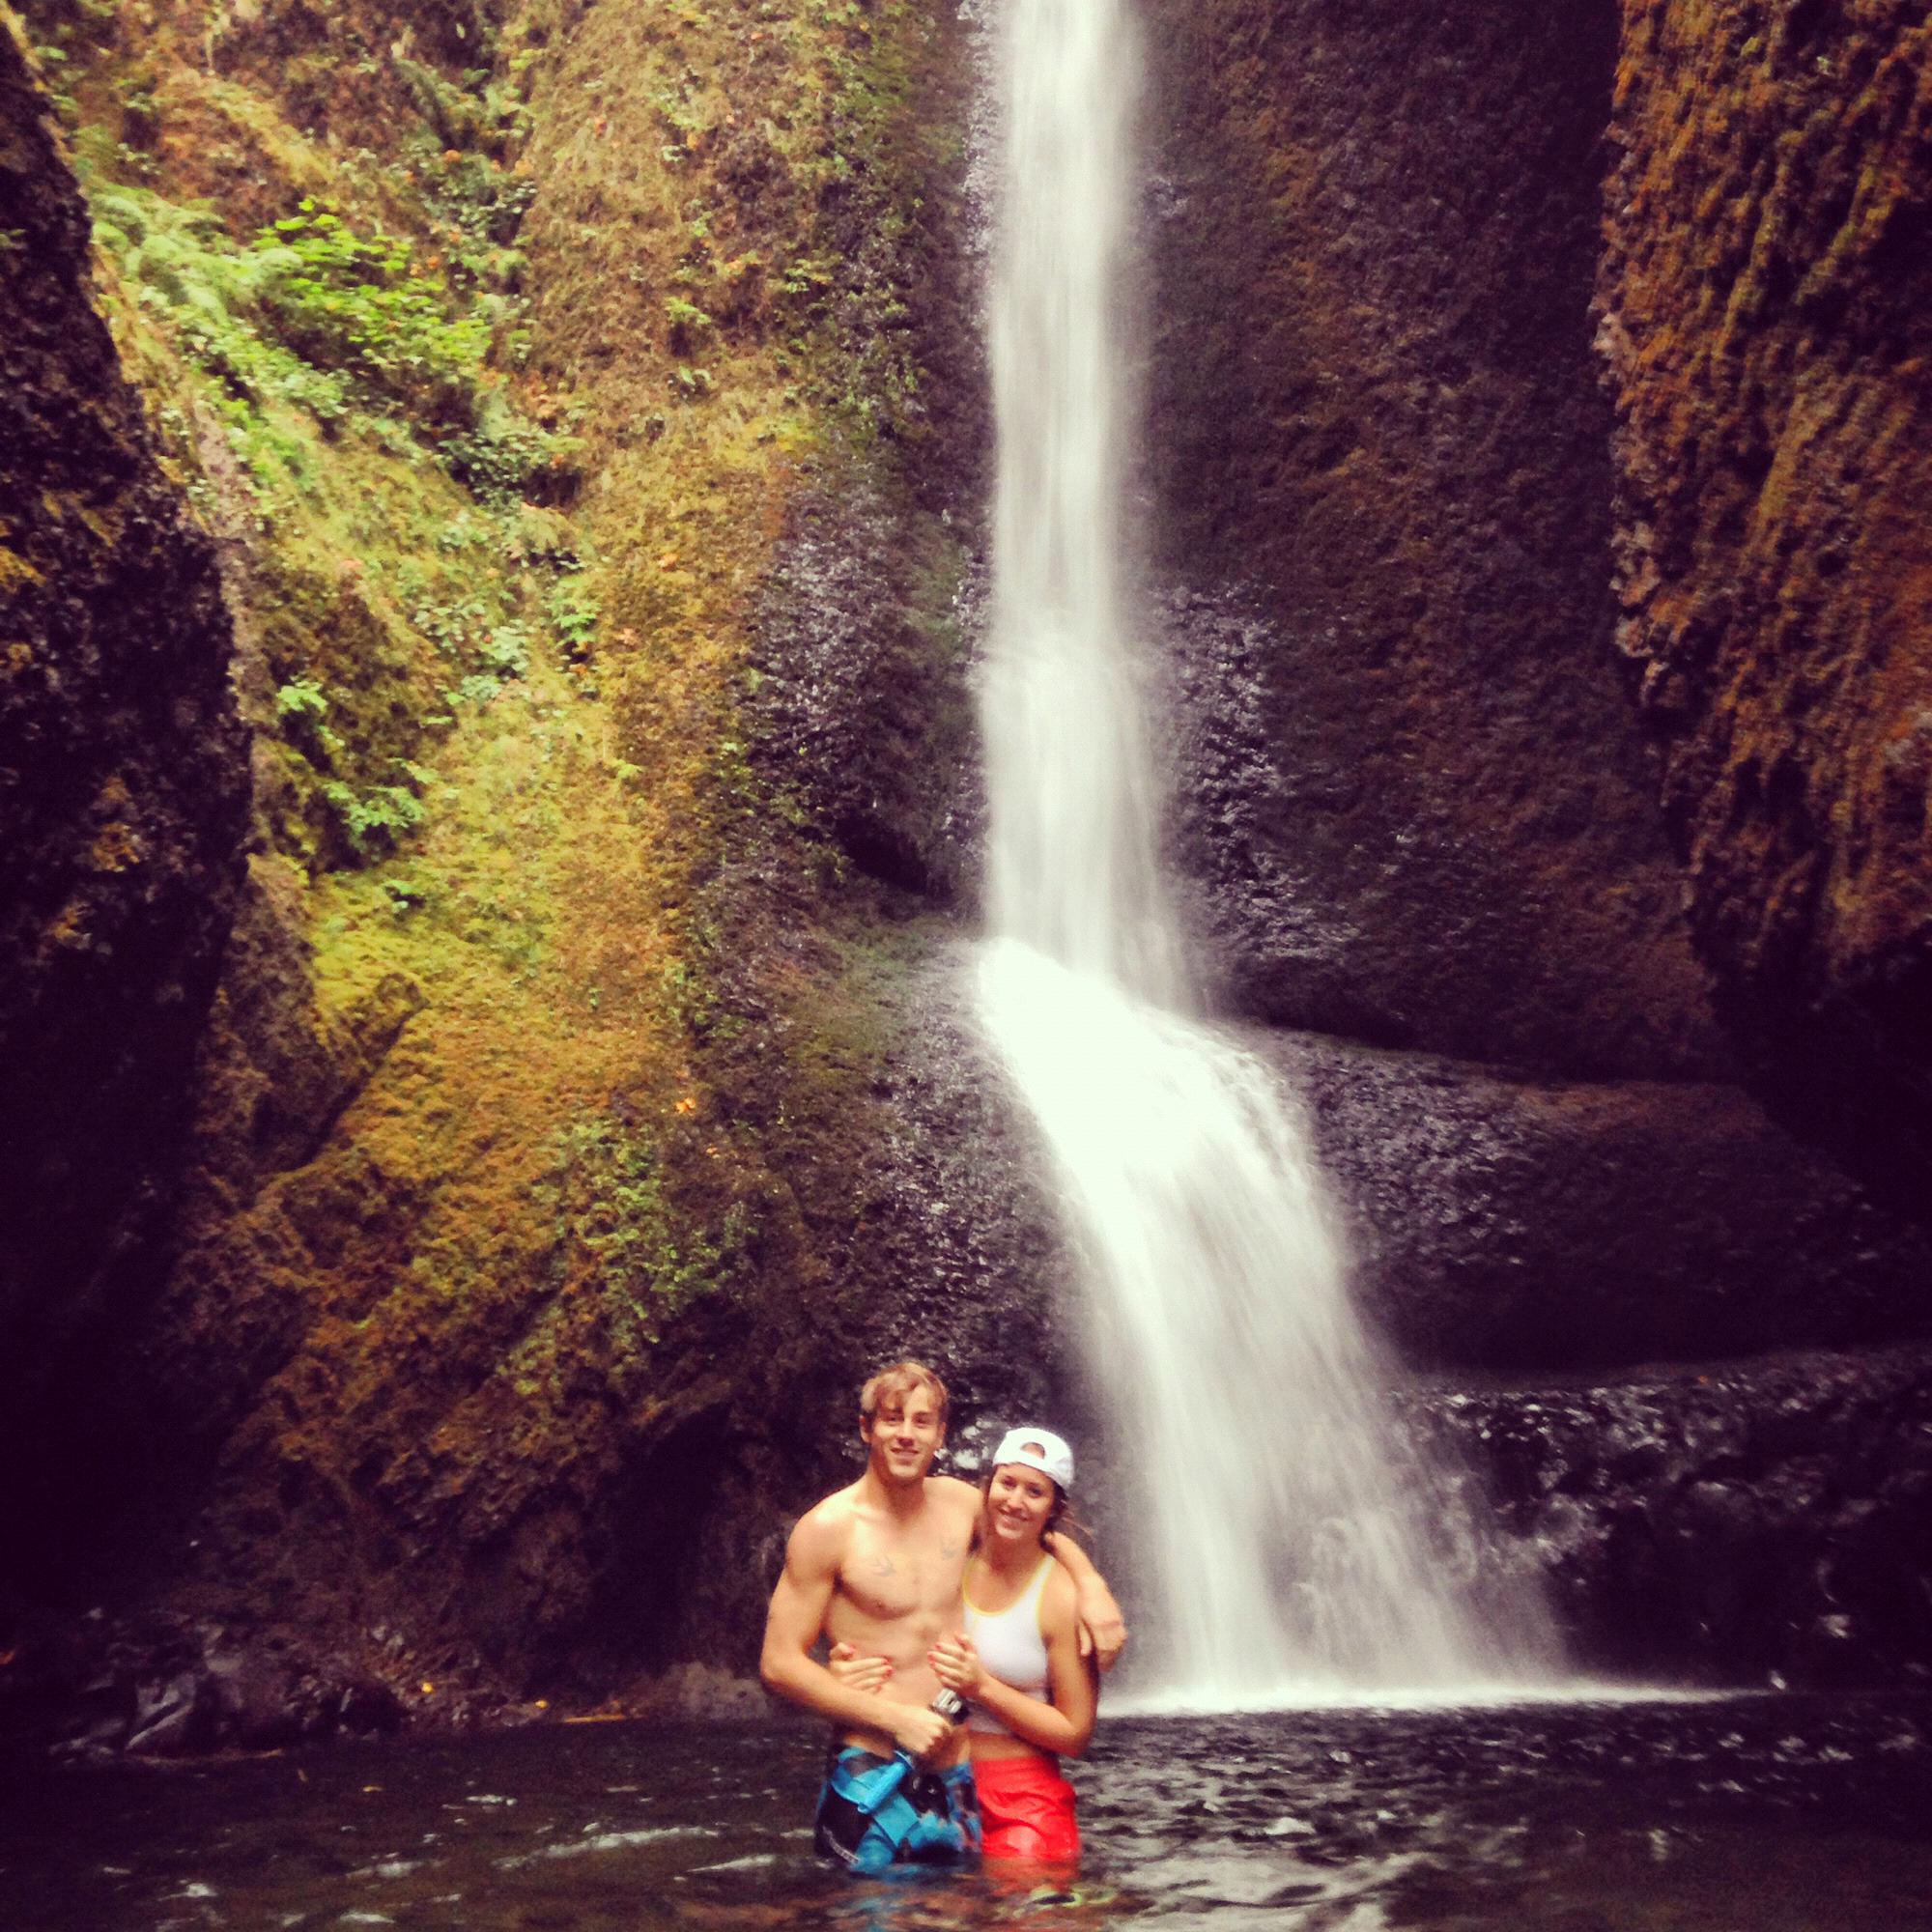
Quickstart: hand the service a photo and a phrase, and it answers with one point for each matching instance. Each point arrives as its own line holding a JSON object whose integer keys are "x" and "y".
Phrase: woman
{"x": 1017, "y": 1662}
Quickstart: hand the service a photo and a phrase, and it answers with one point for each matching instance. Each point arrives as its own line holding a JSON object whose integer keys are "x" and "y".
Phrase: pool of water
{"x": 1775, "y": 1814}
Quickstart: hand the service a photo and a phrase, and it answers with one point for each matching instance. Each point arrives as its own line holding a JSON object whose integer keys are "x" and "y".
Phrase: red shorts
{"x": 1025, "y": 1809}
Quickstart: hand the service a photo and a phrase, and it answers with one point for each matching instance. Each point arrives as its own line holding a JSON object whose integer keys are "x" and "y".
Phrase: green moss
{"x": 354, "y": 393}
{"x": 617, "y": 1239}
{"x": 502, "y": 721}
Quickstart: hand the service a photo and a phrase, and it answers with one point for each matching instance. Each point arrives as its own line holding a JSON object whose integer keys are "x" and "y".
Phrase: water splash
{"x": 1294, "y": 1549}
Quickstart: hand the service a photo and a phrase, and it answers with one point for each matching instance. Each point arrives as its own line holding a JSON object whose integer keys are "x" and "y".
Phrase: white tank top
{"x": 1010, "y": 1647}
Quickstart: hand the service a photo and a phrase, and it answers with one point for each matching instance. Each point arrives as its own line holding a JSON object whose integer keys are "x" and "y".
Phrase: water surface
{"x": 1774, "y": 1814}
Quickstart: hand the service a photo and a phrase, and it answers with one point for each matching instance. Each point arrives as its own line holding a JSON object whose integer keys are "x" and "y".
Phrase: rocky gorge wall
{"x": 1443, "y": 340}
{"x": 1414, "y": 803}
{"x": 1764, "y": 295}
{"x": 564, "y": 1135}
{"x": 123, "y": 792}
{"x": 1423, "y": 815}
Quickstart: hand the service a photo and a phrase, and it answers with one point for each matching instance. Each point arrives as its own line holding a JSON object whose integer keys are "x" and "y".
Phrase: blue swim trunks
{"x": 876, "y": 1813}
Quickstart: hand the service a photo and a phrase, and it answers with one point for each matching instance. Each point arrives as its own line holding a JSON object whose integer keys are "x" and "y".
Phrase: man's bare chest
{"x": 889, "y": 1575}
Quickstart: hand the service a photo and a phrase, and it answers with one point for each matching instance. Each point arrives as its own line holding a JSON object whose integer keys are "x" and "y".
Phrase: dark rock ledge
{"x": 1764, "y": 1520}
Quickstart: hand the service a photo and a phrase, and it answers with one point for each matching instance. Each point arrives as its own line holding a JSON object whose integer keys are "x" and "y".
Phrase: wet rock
{"x": 172, "y": 1715}
{"x": 254, "y": 1697}
{"x": 367, "y": 1707}
{"x": 161, "y": 1685}
{"x": 1774, "y": 462}
{"x": 97, "y": 1723}
{"x": 940, "y": 1245}
{"x": 862, "y": 710}
{"x": 1723, "y": 1524}
{"x": 1408, "y": 784}
{"x": 123, "y": 789}
{"x": 1518, "y": 1225}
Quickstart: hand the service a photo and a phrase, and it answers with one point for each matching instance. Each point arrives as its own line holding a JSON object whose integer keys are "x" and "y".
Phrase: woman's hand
{"x": 855, "y": 1672}
{"x": 955, "y": 1662}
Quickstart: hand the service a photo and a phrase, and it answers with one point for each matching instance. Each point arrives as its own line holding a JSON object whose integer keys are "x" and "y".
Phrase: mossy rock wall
{"x": 562, "y": 1156}
{"x": 123, "y": 790}
{"x": 1426, "y": 818}
{"x": 1767, "y": 330}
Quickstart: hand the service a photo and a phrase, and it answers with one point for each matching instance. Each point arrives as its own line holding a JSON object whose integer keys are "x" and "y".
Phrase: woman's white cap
{"x": 1039, "y": 1449}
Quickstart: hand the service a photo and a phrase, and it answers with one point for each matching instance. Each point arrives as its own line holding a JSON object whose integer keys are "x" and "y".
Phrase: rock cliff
{"x": 123, "y": 790}
{"x": 1375, "y": 431}
{"x": 1765, "y": 298}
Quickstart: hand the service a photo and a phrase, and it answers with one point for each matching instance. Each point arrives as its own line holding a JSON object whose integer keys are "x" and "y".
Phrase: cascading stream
{"x": 1291, "y": 1549}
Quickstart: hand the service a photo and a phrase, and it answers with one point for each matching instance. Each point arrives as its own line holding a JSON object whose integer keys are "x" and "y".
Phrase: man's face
{"x": 904, "y": 1436}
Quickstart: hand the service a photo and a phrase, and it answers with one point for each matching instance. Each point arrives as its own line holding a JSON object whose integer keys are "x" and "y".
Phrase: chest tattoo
{"x": 884, "y": 1566}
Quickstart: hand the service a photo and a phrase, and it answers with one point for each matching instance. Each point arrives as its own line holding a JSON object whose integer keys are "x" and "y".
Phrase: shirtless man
{"x": 879, "y": 1566}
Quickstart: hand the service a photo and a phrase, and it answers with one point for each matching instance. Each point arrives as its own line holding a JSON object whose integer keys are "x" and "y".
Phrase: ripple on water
{"x": 1781, "y": 1815}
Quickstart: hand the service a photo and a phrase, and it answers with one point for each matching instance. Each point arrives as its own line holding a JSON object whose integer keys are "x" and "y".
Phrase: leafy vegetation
{"x": 617, "y": 1239}
{"x": 356, "y": 304}
{"x": 504, "y": 773}
{"x": 328, "y": 353}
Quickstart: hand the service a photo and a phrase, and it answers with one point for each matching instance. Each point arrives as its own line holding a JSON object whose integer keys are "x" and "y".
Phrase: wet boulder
{"x": 1732, "y": 1523}
{"x": 1514, "y": 1224}
{"x": 172, "y": 1715}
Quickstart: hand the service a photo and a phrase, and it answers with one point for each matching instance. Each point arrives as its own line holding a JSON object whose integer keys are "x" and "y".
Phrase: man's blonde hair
{"x": 898, "y": 1380}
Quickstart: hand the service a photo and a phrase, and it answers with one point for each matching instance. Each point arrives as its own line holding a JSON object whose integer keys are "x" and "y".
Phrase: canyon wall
{"x": 1425, "y": 816}
{"x": 123, "y": 792}
{"x": 1766, "y": 301}
{"x": 1510, "y": 363}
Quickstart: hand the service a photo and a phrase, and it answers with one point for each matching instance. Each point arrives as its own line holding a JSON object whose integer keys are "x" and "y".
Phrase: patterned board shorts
{"x": 875, "y": 1813}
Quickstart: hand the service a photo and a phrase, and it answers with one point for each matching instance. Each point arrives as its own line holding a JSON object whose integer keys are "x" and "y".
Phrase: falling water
{"x": 1291, "y": 1548}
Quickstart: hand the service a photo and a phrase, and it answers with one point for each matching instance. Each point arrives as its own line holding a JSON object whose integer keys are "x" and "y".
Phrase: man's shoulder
{"x": 837, "y": 1508}
{"x": 824, "y": 1528}
{"x": 949, "y": 1494}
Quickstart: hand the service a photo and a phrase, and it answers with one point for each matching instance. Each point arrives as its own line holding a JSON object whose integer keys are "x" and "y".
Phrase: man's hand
{"x": 921, "y": 1732}
{"x": 855, "y": 1672}
{"x": 1103, "y": 1630}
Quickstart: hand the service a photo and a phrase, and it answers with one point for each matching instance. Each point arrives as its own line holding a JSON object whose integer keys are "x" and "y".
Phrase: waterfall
{"x": 1288, "y": 1546}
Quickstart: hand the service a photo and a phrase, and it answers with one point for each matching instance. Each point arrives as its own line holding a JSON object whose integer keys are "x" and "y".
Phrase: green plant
{"x": 376, "y": 821}
{"x": 358, "y": 303}
{"x": 506, "y": 652}
{"x": 450, "y": 627}
{"x": 505, "y": 455}
{"x": 617, "y": 1236}
{"x": 686, "y": 319}
{"x": 405, "y": 895}
{"x": 301, "y": 699}
{"x": 185, "y": 269}
{"x": 573, "y": 613}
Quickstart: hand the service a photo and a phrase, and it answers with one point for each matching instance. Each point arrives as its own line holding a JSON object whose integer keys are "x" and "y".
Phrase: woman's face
{"x": 1018, "y": 1503}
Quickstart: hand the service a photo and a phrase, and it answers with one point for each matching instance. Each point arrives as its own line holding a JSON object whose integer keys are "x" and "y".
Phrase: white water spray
{"x": 1293, "y": 1549}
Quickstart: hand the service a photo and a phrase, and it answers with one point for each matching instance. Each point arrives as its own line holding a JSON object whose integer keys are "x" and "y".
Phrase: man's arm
{"x": 793, "y": 1625}
{"x": 1103, "y": 1630}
